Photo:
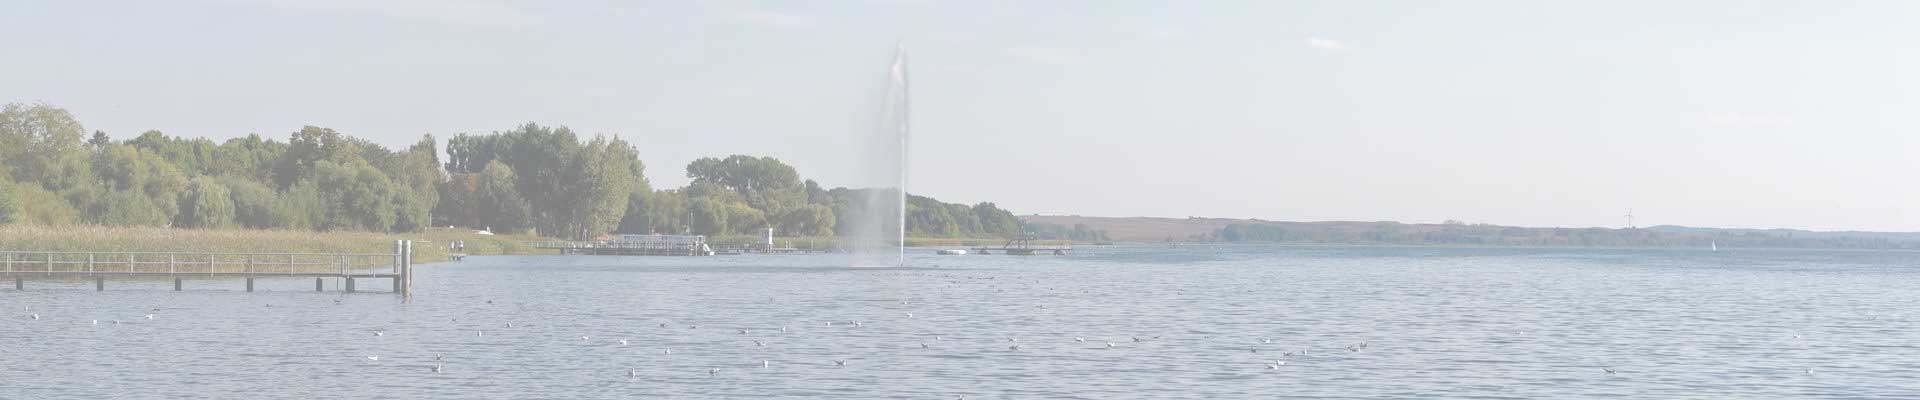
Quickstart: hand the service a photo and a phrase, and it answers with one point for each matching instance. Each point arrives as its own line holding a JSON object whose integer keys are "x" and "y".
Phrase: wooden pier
{"x": 1023, "y": 246}
{"x": 637, "y": 246}
{"x": 396, "y": 267}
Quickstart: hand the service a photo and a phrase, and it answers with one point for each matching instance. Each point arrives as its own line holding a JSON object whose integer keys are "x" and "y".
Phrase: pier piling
{"x": 249, "y": 284}
{"x": 176, "y": 283}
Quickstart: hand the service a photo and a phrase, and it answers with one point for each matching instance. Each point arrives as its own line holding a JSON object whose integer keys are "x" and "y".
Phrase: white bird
{"x": 1013, "y": 340}
{"x": 1109, "y": 345}
{"x": 909, "y": 315}
{"x": 1267, "y": 341}
{"x": 1014, "y": 347}
{"x": 936, "y": 338}
{"x": 36, "y": 316}
{"x": 96, "y": 322}
{"x": 713, "y": 371}
{"x": 1136, "y": 339}
{"x": 1080, "y": 339}
{"x": 149, "y": 317}
{"x": 584, "y": 338}
{"x": 436, "y": 368}
{"x": 480, "y": 333}
{"x": 623, "y": 342}
{"x": 509, "y": 324}
{"x": 379, "y": 333}
{"x": 666, "y": 352}
{"x": 857, "y": 324}
{"x": 1609, "y": 371}
{"x": 839, "y": 363}
{"x": 760, "y": 343}
{"x": 923, "y": 345}
{"x": 373, "y": 358}
{"x": 631, "y": 373}
{"x": 783, "y": 329}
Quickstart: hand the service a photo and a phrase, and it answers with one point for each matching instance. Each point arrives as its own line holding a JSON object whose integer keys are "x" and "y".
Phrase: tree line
{"x": 531, "y": 178}
{"x": 1458, "y": 233}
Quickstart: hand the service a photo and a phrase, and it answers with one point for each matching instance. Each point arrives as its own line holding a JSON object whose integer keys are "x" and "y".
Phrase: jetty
{"x": 1023, "y": 246}
{"x": 632, "y": 245}
{"x": 396, "y": 267}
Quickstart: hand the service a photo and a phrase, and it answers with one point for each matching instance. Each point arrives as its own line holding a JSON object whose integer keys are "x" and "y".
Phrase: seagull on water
{"x": 760, "y": 343}
{"x": 1136, "y": 339}
{"x": 375, "y": 333}
{"x": 839, "y": 363}
{"x": 713, "y": 371}
{"x": 436, "y": 368}
{"x": 36, "y": 316}
{"x": 1275, "y": 364}
{"x": 96, "y": 322}
{"x": 1109, "y": 345}
{"x": 149, "y": 317}
{"x": 743, "y": 331}
{"x": 509, "y": 324}
{"x": 1266, "y": 341}
{"x": 666, "y": 352}
{"x": 1609, "y": 371}
{"x": 584, "y": 338}
{"x": 623, "y": 342}
{"x": 1014, "y": 347}
{"x": 439, "y": 357}
{"x": 1080, "y": 339}
{"x": 631, "y": 373}
{"x": 783, "y": 329}
{"x": 909, "y": 315}
{"x": 480, "y": 333}
{"x": 764, "y": 364}
{"x": 857, "y": 324}
{"x": 663, "y": 325}
{"x": 373, "y": 358}
{"x": 923, "y": 345}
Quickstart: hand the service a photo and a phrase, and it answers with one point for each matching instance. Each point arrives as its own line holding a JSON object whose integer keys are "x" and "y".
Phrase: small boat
{"x": 953, "y": 252}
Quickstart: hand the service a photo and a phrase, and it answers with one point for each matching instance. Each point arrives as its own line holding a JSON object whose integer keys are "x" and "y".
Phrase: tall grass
{"x": 429, "y": 246}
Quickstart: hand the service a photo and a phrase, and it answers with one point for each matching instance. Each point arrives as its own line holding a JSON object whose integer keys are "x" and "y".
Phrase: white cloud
{"x": 1046, "y": 55}
{"x": 1744, "y": 120}
{"x": 775, "y": 20}
{"x": 468, "y": 13}
{"x": 1325, "y": 44}
{"x": 1167, "y": 33}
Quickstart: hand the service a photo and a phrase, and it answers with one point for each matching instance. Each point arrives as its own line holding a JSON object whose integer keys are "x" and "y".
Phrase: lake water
{"x": 1437, "y": 322}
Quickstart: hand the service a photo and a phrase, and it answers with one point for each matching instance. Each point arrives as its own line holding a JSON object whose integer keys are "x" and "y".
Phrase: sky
{"x": 1711, "y": 113}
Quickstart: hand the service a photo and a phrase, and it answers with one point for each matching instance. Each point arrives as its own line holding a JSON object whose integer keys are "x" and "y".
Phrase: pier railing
{"x": 397, "y": 265}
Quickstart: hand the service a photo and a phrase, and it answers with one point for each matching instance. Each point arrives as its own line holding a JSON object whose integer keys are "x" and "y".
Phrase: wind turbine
{"x": 1629, "y": 218}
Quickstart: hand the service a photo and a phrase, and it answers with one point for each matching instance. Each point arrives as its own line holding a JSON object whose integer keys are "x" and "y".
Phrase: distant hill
{"x": 1150, "y": 229}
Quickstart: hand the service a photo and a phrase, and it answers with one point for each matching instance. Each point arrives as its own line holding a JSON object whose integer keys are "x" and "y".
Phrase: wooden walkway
{"x": 396, "y": 266}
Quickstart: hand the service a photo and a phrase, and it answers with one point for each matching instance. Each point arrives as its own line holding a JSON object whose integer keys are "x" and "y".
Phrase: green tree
{"x": 355, "y": 196}
{"x": 253, "y": 203}
{"x": 501, "y": 207}
{"x": 9, "y": 209}
{"x": 707, "y": 217}
{"x": 206, "y": 204}
{"x": 36, "y": 140}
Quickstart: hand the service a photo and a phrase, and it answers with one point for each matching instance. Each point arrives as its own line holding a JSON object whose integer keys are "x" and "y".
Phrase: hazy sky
{"x": 1750, "y": 113}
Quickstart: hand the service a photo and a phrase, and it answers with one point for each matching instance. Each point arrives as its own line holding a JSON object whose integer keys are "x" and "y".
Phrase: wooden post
{"x": 99, "y": 283}
{"x": 399, "y": 274}
{"x": 176, "y": 284}
{"x": 249, "y": 283}
{"x": 349, "y": 284}
{"x": 316, "y": 283}
{"x": 89, "y": 263}
{"x": 19, "y": 283}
